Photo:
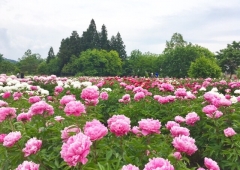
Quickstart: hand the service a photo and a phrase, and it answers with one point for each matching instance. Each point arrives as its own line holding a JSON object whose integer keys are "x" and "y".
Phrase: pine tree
{"x": 118, "y": 45}
{"x": 50, "y": 55}
{"x": 90, "y": 38}
{"x": 104, "y": 42}
{"x": 75, "y": 44}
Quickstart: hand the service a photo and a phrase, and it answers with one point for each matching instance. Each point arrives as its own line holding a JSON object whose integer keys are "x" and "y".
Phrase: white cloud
{"x": 143, "y": 25}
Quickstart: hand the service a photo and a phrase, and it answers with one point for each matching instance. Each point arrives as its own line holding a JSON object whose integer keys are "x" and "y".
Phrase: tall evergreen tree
{"x": 64, "y": 53}
{"x": 50, "y": 55}
{"x": 75, "y": 44}
{"x": 118, "y": 45}
{"x": 104, "y": 42}
{"x": 90, "y": 38}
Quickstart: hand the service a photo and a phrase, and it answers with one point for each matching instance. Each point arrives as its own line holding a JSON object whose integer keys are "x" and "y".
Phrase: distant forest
{"x": 94, "y": 54}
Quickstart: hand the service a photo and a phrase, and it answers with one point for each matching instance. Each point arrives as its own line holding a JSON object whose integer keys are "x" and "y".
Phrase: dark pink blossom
{"x": 103, "y": 95}
{"x": 6, "y": 95}
{"x": 7, "y": 113}
{"x": 34, "y": 99}
{"x": 69, "y": 131}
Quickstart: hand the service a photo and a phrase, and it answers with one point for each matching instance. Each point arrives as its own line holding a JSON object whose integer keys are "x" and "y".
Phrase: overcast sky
{"x": 143, "y": 24}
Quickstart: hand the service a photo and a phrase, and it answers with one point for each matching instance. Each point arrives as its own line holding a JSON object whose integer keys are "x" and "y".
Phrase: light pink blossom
{"x": 119, "y": 125}
{"x": 32, "y": 146}
{"x": 76, "y": 149}
{"x": 170, "y": 124}
{"x": 185, "y": 144}
{"x": 24, "y": 117}
{"x": 95, "y": 130}
{"x": 229, "y": 132}
{"x": 34, "y": 99}
{"x": 7, "y": 113}
{"x": 41, "y": 108}
{"x": 59, "y": 118}
{"x": 103, "y": 95}
{"x": 149, "y": 126}
{"x": 177, "y": 155}
{"x": 138, "y": 96}
{"x": 211, "y": 164}
{"x": 69, "y": 131}
{"x": 129, "y": 167}
{"x": 28, "y": 165}
{"x": 75, "y": 108}
{"x": 11, "y": 138}
{"x": 177, "y": 131}
{"x": 192, "y": 118}
{"x": 179, "y": 119}
{"x": 66, "y": 99}
{"x": 158, "y": 164}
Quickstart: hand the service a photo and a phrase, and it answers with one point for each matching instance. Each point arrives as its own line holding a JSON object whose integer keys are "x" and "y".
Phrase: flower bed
{"x": 49, "y": 122}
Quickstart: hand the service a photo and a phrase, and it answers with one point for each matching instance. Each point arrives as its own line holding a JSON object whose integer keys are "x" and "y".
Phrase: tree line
{"x": 93, "y": 54}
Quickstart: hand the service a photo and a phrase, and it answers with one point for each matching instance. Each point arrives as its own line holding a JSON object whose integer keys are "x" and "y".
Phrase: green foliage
{"x": 176, "y": 62}
{"x": 203, "y": 68}
{"x": 229, "y": 58}
{"x": 176, "y": 41}
{"x": 29, "y": 63}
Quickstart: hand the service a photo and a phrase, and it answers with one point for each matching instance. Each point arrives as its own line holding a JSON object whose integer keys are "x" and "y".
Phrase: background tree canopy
{"x": 94, "y": 54}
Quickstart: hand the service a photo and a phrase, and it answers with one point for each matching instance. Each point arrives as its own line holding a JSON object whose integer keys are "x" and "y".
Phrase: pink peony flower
{"x": 200, "y": 168}
{"x": 32, "y": 146}
{"x": 179, "y": 119}
{"x": 49, "y": 98}
{"x": 158, "y": 163}
{"x": 185, "y": 144}
{"x": 229, "y": 132}
{"x": 89, "y": 94}
{"x": 138, "y": 96}
{"x": 163, "y": 100}
{"x": 209, "y": 109}
{"x": 95, "y": 130}
{"x": 225, "y": 102}
{"x": 192, "y": 118}
{"x": 129, "y": 167}
{"x": 34, "y": 99}
{"x": 177, "y": 131}
{"x": 170, "y": 124}
{"x": 59, "y": 118}
{"x": 103, "y": 95}
{"x": 2, "y": 136}
{"x": 76, "y": 149}
{"x": 166, "y": 87}
{"x": 125, "y": 99}
{"x": 75, "y": 108}
{"x": 26, "y": 165}
{"x": 6, "y": 95}
{"x": 136, "y": 131}
{"x": 211, "y": 164}
{"x": 58, "y": 89}
{"x": 177, "y": 155}
{"x": 69, "y": 131}
{"x": 24, "y": 117}
{"x": 180, "y": 92}
{"x": 33, "y": 88}
{"x": 3, "y": 103}
{"x": 41, "y": 108}
{"x": 119, "y": 125}
{"x": 66, "y": 99}
{"x": 7, "y": 112}
{"x": 17, "y": 95}
{"x": 149, "y": 126}
{"x": 11, "y": 138}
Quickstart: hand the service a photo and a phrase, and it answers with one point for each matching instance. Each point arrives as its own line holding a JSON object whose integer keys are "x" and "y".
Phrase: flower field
{"x": 119, "y": 123}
